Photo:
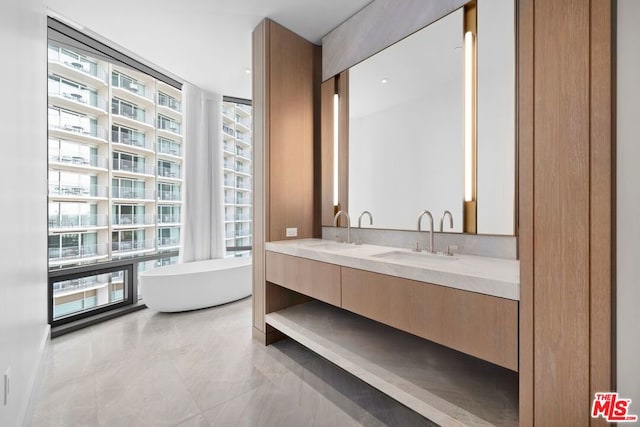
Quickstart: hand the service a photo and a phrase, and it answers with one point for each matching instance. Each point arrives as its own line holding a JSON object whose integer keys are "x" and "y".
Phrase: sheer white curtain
{"x": 202, "y": 235}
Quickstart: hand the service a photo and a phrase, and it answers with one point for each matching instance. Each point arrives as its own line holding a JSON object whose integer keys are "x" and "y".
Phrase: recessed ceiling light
{"x": 384, "y": 80}
{"x": 247, "y": 70}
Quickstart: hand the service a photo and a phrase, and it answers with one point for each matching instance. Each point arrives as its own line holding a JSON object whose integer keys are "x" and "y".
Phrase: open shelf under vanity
{"x": 447, "y": 387}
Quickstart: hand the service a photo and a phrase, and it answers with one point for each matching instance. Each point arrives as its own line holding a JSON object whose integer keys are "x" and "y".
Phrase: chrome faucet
{"x": 360, "y": 218}
{"x": 335, "y": 224}
{"x": 450, "y": 219}
{"x": 423, "y": 213}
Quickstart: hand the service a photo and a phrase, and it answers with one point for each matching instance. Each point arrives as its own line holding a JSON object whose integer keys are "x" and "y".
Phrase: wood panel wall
{"x": 565, "y": 190}
{"x": 286, "y": 88}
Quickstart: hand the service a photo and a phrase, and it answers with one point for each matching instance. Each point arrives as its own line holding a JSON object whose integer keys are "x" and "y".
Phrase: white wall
{"x": 628, "y": 203}
{"x": 23, "y": 252}
{"x": 408, "y": 158}
{"x": 496, "y": 116}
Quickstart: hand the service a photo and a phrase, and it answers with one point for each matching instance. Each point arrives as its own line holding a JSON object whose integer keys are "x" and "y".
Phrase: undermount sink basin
{"x": 331, "y": 246}
{"x": 416, "y": 257}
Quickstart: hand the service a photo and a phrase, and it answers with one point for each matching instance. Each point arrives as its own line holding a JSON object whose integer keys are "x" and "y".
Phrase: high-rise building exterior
{"x": 238, "y": 154}
{"x": 115, "y": 169}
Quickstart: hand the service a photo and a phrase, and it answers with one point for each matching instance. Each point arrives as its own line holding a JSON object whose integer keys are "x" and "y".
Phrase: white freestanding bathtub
{"x": 198, "y": 284}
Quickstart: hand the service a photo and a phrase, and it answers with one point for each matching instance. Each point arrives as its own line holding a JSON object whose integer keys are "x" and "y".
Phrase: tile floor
{"x": 200, "y": 368}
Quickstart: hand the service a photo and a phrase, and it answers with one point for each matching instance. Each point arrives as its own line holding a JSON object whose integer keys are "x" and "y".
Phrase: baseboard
{"x": 36, "y": 379}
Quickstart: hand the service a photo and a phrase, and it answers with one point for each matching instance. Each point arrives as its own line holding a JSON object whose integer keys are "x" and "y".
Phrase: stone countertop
{"x": 490, "y": 276}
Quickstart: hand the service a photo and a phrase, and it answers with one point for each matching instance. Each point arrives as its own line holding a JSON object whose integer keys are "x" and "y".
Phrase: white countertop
{"x": 490, "y": 276}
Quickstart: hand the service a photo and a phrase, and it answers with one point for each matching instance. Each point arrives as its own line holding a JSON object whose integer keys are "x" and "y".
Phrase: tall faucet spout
{"x": 428, "y": 214}
{"x": 363, "y": 214}
{"x": 335, "y": 223}
{"x": 446, "y": 213}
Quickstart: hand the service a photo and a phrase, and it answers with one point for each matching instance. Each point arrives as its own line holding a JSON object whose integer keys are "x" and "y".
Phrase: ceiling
{"x": 205, "y": 42}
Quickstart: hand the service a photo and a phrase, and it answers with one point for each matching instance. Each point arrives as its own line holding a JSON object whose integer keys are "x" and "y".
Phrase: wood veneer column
{"x": 566, "y": 202}
{"x": 286, "y": 88}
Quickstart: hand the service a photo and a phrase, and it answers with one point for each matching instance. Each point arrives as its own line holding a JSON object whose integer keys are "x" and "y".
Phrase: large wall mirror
{"x": 406, "y": 125}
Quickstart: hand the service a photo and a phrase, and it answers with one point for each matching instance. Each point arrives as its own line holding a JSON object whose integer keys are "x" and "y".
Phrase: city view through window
{"x": 116, "y": 170}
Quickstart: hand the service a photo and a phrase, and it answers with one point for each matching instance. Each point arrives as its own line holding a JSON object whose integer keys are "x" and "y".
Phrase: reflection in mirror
{"x": 405, "y": 128}
{"x": 406, "y": 125}
{"x": 496, "y": 117}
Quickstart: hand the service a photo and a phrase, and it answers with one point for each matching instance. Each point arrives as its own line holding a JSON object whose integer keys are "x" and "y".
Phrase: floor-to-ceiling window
{"x": 115, "y": 173}
{"x": 238, "y": 180}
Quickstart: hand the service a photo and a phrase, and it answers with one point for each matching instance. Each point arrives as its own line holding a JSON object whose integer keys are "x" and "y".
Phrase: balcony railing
{"x": 173, "y": 149}
{"x": 243, "y": 169}
{"x": 245, "y": 108}
{"x": 168, "y": 219}
{"x": 229, "y": 183}
{"x": 135, "y": 113}
{"x": 80, "y": 96}
{"x": 243, "y": 201}
{"x": 77, "y": 252}
{"x": 131, "y": 193}
{"x": 169, "y": 125}
{"x": 79, "y": 159}
{"x": 169, "y": 195}
{"x": 244, "y": 154}
{"x": 134, "y": 139}
{"x": 77, "y": 221}
{"x": 132, "y": 219}
{"x": 243, "y": 217}
{"x": 244, "y": 122}
{"x": 164, "y": 242}
{"x": 171, "y": 172}
{"x": 132, "y": 246}
{"x": 77, "y": 190}
{"x": 136, "y": 88}
{"x": 227, "y": 147}
{"x": 82, "y": 65}
{"x": 132, "y": 167}
{"x": 78, "y": 284}
{"x": 170, "y": 103}
{"x": 243, "y": 137}
{"x": 243, "y": 233}
{"x": 80, "y": 129}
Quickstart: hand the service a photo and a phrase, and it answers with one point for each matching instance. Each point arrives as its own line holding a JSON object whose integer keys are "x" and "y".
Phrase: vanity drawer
{"x": 480, "y": 325}
{"x": 316, "y": 279}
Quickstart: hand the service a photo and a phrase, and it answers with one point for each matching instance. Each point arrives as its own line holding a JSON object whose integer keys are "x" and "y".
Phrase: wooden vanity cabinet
{"x": 480, "y": 325}
{"x": 316, "y": 279}
{"x": 483, "y": 326}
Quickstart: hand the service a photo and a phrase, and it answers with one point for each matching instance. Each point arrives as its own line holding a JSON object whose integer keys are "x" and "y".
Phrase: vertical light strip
{"x": 336, "y": 147}
{"x": 469, "y": 112}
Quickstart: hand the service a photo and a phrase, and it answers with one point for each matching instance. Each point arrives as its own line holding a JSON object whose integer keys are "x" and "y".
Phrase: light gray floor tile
{"x": 147, "y": 392}
{"x": 200, "y": 369}
{"x": 197, "y": 421}
{"x": 71, "y": 403}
